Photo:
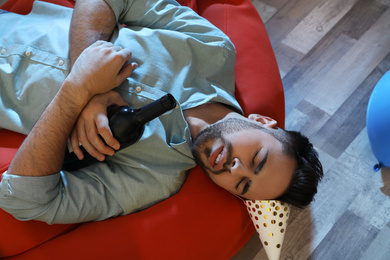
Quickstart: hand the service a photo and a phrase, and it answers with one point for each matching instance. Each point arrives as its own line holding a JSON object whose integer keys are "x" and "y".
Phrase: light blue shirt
{"x": 178, "y": 52}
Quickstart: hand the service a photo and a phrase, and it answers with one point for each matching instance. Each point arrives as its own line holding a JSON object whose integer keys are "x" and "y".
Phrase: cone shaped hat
{"x": 270, "y": 219}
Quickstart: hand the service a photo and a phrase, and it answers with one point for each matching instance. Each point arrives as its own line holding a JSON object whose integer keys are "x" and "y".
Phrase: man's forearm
{"x": 100, "y": 68}
{"x": 42, "y": 153}
{"x": 92, "y": 20}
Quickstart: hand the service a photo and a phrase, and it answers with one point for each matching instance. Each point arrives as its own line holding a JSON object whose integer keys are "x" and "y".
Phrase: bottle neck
{"x": 155, "y": 109}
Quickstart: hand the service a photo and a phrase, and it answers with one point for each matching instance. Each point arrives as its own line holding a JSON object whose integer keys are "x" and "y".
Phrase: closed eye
{"x": 246, "y": 187}
{"x": 257, "y": 170}
{"x": 262, "y": 163}
{"x": 238, "y": 184}
{"x": 254, "y": 158}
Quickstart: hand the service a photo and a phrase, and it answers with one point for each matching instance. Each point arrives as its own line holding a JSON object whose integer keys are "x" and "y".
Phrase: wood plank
{"x": 357, "y": 161}
{"x": 299, "y": 81}
{"x": 287, "y": 18}
{"x": 250, "y": 250}
{"x": 380, "y": 247}
{"x": 353, "y": 67}
{"x": 362, "y": 16}
{"x": 371, "y": 204}
{"x": 385, "y": 2}
{"x": 340, "y": 130}
{"x": 307, "y": 119}
{"x": 277, "y": 4}
{"x": 265, "y": 11}
{"x": 287, "y": 58}
{"x": 348, "y": 239}
{"x": 312, "y": 69}
{"x": 317, "y": 24}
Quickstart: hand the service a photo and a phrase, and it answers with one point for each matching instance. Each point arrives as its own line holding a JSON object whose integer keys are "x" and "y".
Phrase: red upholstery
{"x": 202, "y": 221}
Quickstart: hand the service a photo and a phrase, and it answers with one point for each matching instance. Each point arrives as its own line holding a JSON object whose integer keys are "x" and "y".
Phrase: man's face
{"x": 243, "y": 159}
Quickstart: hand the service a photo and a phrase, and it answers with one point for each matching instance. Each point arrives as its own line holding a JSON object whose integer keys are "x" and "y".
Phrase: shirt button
{"x": 3, "y": 51}
{"x": 138, "y": 89}
{"x": 61, "y": 62}
{"x": 28, "y": 53}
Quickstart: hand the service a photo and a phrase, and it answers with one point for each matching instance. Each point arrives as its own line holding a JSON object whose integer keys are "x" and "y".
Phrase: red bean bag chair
{"x": 202, "y": 221}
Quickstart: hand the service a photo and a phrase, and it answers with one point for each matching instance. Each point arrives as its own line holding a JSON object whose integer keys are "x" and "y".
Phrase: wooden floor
{"x": 331, "y": 53}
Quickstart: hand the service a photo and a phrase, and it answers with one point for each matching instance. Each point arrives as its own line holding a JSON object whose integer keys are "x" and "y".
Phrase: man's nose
{"x": 238, "y": 168}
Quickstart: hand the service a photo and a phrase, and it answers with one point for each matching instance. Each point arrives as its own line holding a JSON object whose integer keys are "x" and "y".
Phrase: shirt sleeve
{"x": 204, "y": 57}
{"x": 135, "y": 178}
{"x": 168, "y": 15}
{"x": 52, "y": 200}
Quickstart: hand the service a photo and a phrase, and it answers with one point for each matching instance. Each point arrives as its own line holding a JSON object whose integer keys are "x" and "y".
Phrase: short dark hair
{"x": 303, "y": 185}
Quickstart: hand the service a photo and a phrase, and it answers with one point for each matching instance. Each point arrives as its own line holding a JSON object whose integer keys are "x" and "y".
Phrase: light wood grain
{"x": 380, "y": 247}
{"x": 287, "y": 17}
{"x": 266, "y": 11}
{"x": 353, "y": 67}
{"x": 316, "y": 64}
{"x": 312, "y": 69}
{"x": 349, "y": 237}
{"x": 317, "y": 24}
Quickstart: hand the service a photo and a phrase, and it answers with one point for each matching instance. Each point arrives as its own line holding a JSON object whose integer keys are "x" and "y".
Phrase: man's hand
{"x": 101, "y": 67}
{"x": 93, "y": 122}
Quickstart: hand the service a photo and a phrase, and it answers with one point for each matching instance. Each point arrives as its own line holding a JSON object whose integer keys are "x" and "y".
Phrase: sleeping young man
{"x": 55, "y": 87}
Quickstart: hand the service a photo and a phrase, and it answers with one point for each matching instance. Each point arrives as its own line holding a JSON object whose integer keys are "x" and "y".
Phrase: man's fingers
{"x": 96, "y": 146}
{"x": 101, "y": 43}
{"x": 74, "y": 142}
{"x": 109, "y": 139}
{"x": 103, "y": 129}
{"x": 84, "y": 140}
{"x": 126, "y": 72}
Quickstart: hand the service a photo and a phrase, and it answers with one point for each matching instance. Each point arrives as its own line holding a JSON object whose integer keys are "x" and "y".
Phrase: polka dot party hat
{"x": 270, "y": 219}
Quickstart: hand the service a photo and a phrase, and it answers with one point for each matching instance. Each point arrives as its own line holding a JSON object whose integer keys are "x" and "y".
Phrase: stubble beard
{"x": 214, "y": 132}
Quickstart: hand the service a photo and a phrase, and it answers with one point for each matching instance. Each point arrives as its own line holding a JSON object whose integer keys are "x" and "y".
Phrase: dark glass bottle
{"x": 127, "y": 125}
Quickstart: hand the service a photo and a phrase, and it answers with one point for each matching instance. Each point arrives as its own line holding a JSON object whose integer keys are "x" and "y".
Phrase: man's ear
{"x": 263, "y": 120}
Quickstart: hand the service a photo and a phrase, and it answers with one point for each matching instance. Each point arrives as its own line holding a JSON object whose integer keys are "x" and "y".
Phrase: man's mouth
{"x": 216, "y": 158}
